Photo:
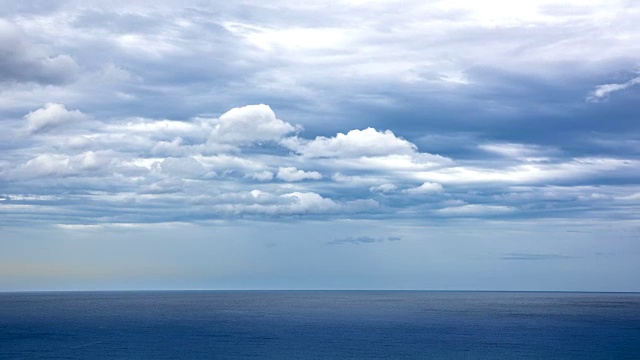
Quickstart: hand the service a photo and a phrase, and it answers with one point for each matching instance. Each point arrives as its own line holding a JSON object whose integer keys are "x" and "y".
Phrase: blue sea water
{"x": 319, "y": 325}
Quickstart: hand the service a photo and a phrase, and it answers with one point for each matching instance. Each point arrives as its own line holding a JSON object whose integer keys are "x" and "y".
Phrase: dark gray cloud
{"x": 22, "y": 61}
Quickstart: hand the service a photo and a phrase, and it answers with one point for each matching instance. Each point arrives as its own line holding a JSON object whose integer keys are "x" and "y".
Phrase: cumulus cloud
{"x": 250, "y": 124}
{"x": 355, "y": 143}
{"x": 21, "y": 61}
{"x": 257, "y": 202}
{"x": 50, "y": 116}
{"x": 182, "y": 167}
{"x": 45, "y": 165}
{"x": 603, "y": 91}
{"x": 169, "y": 148}
{"x": 152, "y": 165}
{"x": 310, "y": 202}
{"x": 293, "y": 174}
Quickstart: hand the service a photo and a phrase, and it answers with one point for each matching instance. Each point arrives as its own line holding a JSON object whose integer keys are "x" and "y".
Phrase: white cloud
{"x": 300, "y": 38}
{"x": 475, "y": 210}
{"x": 183, "y": 167}
{"x": 512, "y": 150}
{"x": 383, "y": 188}
{"x": 293, "y": 174}
{"x": 169, "y": 148}
{"x": 631, "y": 198}
{"x": 310, "y": 202}
{"x": 163, "y": 136}
{"x": 602, "y": 91}
{"x": 249, "y": 124}
{"x": 77, "y": 142}
{"x": 425, "y": 188}
{"x": 230, "y": 163}
{"x": 528, "y": 173}
{"x": 63, "y": 165}
{"x": 356, "y": 143}
{"x": 163, "y": 164}
{"x": 50, "y": 116}
{"x": 88, "y": 160}
{"x": 164, "y": 186}
{"x": 157, "y": 128}
{"x": 400, "y": 164}
{"x": 44, "y": 165}
{"x": 359, "y": 180}
{"x": 293, "y": 203}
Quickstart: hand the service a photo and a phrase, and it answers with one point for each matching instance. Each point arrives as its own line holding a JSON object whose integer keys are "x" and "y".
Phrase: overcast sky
{"x": 450, "y": 145}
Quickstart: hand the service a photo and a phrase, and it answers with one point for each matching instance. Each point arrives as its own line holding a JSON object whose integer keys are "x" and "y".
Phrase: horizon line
{"x": 316, "y": 290}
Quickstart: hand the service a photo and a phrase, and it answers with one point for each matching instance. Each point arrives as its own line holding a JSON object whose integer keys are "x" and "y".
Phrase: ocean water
{"x": 319, "y": 325}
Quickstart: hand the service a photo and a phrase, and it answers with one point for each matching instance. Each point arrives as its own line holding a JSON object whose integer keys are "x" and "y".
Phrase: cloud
{"x": 383, "y": 188}
{"x": 21, "y": 61}
{"x": 475, "y": 210}
{"x": 534, "y": 257}
{"x": 310, "y": 202}
{"x": 163, "y": 187}
{"x": 425, "y": 188}
{"x": 528, "y": 172}
{"x": 294, "y": 203}
{"x": 261, "y": 175}
{"x": 45, "y": 165}
{"x": 356, "y": 143}
{"x": 186, "y": 167}
{"x": 293, "y": 174}
{"x": 162, "y": 164}
{"x": 361, "y": 240}
{"x": 249, "y": 124}
{"x": 160, "y": 128}
{"x": 511, "y": 150}
{"x": 603, "y": 91}
{"x": 169, "y": 148}
{"x": 50, "y": 117}
{"x": 48, "y": 165}
{"x": 635, "y": 197}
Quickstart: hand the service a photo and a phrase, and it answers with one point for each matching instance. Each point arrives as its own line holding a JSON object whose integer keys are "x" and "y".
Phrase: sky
{"x": 437, "y": 145}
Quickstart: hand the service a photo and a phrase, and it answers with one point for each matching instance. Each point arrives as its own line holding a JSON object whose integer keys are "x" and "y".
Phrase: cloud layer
{"x": 425, "y": 111}
{"x": 247, "y": 162}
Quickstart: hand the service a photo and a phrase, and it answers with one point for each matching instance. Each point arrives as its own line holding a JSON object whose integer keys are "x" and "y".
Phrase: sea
{"x": 319, "y": 325}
